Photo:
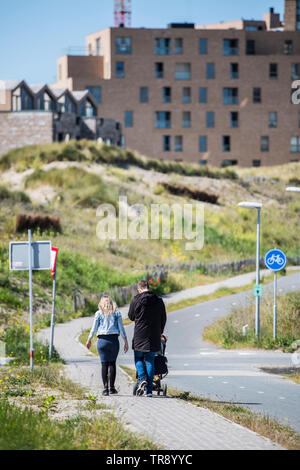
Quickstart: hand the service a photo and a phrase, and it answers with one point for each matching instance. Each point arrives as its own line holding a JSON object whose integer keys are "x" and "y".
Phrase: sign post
{"x": 30, "y": 299}
{"x": 54, "y": 252}
{"x": 275, "y": 260}
{"x": 29, "y": 256}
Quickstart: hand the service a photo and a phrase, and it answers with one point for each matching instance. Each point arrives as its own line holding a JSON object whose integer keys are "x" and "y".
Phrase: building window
{"x": 210, "y": 70}
{"x": 166, "y": 94}
{"x": 186, "y": 119}
{"x": 299, "y": 119}
{"x": 166, "y": 143}
{"x": 273, "y": 71}
{"x": 178, "y": 143}
{"x": 202, "y": 162}
{"x": 123, "y": 45}
{"x": 264, "y": 143}
{"x": 234, "y": 119}
{"x": 95, "y": 91}
{"x": 183, "y": 71}
{"x": 203, "y": 143}
{"x": 273, "y": 119}
{"x": 250, "y": 47}
{"x": 202, "y": 46}
{"x": 230, "y": 96}
{"x": 295, "y": 71}
{"x": 234, "y": 70}
{"x": 120, "y": 69}
{"x": 202, "y": 95}
{"x": 226, "y": 143}
{"x": 230, "y": 46}
{"x": 128, "y": 118}
{"x": 227, "y": 162}
{"x": 98, "y": 46}
{"x": 256, "y": 95}
{"x": 178, "y": 46}
{"x": 186, "y": 95}
{"x": 162, "y": 46}
{"x": 295, "y": 144}
{"x": 144, "y": 98}
{"x": 162, "y": 119}
{"x": 210, "y": 119}
{"x": 298, "y": 16}
{"x": 288, "y": 47}
{"x": 159, "y": 70}
{"x": 256, "y": 162}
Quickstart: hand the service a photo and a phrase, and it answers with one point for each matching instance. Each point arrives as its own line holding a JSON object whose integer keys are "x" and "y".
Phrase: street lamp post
{"x": 258, "y": 206}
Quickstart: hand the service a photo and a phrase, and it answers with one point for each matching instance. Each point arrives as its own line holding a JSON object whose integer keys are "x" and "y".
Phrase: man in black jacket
{"x": 148, "y": 312}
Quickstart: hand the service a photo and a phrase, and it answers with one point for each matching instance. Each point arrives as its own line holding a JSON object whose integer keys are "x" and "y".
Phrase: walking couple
{"x": 148, "y": 312}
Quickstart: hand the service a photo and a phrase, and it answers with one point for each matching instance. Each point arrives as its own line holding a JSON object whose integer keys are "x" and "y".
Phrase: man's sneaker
{"x": 105, "y": 392}
{"x": 141, "y": 387}
{"x": 149, "y": 395}
{"x": 113, "y": 391}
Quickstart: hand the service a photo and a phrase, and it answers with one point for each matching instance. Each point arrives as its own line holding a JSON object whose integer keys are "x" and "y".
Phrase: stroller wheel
{"x": 165, "y": 390}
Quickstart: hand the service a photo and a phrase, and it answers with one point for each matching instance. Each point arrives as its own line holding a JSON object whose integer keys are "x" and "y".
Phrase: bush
{"x": 39, "y": 222}
{"x": 15, "y": 196}
{"x": 189, "y": 192}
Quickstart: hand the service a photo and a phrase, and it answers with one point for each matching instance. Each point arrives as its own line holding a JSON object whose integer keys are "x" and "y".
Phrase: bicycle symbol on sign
{"x": 275, "y": 259}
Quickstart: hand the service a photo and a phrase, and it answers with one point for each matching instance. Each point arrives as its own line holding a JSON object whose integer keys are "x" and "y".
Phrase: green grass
{"x": 24, "y": 427}
{"x": 227, "y": 331}
{"x": 261, "y": 424}
{"x": 84, "y": 150}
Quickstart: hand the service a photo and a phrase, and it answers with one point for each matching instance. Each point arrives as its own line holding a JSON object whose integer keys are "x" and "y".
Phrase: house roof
{"x": 11, "y": 84}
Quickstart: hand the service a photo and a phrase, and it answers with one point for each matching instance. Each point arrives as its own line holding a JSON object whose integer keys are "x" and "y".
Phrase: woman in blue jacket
{"x": 109, "y": 325}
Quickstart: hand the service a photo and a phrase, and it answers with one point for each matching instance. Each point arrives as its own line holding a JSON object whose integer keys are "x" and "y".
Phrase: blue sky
{"x": 34, "y": 33}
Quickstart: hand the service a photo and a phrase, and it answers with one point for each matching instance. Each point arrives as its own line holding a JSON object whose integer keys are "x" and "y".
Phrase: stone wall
{"x": 25, "y": 128}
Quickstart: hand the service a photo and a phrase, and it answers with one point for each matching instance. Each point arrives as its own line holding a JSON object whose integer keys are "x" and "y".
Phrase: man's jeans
{"x": 147, "y": 358}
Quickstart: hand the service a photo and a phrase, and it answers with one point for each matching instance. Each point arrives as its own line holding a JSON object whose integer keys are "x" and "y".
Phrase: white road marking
{"x": 176, "y": 321}
{"x": 218, "y": 373}
{"x": 246, "y": 353}
{"x": 186, "y": 365}
{"x": 281, "y": 398}
{"x": 209, "y": 353}
{"x": 197, "y": 315}
{"x": 242, "y": 387}
{"x": 224, "y": 382}
{"x": 233, "y": 303}
{"x": 216, "y": 309}
{"x": 260, "y": 392}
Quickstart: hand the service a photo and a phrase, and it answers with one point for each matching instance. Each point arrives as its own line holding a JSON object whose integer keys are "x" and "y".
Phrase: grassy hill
{"x": 71, "y": 180}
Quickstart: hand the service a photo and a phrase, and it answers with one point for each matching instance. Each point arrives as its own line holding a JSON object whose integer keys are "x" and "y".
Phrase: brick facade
{"x": 26, "y": 128}
{"x": 254, "y": 141}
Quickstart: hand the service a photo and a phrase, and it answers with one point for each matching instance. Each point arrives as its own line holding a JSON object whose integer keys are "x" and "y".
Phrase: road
{"x": 227, "y": 375}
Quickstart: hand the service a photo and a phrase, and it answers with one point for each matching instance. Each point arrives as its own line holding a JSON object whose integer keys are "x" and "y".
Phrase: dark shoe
{"x": 141, "y": 387}
{"x": 113, "y": 391}
{"x": 105, "y": 392}
{"x": 149, "y": 394}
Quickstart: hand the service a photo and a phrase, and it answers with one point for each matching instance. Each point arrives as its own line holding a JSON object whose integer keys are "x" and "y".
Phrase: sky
{"x": 34, "y": 33}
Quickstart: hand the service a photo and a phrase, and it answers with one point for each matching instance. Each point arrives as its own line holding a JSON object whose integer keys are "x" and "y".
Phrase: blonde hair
{"x": 106, "y": 305}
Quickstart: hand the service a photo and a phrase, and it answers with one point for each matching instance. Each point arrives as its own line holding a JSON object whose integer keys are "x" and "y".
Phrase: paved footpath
{"x": 169, "y": 422}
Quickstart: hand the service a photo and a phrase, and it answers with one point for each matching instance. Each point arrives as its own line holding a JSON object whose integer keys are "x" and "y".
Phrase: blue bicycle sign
{"x": 275, "y": 260}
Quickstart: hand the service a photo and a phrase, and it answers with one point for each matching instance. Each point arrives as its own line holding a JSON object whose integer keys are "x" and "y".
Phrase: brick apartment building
{"x": 213, "y": 94}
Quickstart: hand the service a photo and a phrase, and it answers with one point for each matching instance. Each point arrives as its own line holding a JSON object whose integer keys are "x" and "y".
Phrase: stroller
{"x": 160, "y": 370}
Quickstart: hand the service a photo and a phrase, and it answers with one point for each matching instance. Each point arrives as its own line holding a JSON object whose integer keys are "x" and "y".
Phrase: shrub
{"x": 15, "y": 196}
{"x": 25, "y": 222}
{"x": 189, "y": 192}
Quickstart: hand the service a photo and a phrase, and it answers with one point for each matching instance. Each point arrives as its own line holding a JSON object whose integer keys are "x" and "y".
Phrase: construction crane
{"x": 122, "y": 13}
